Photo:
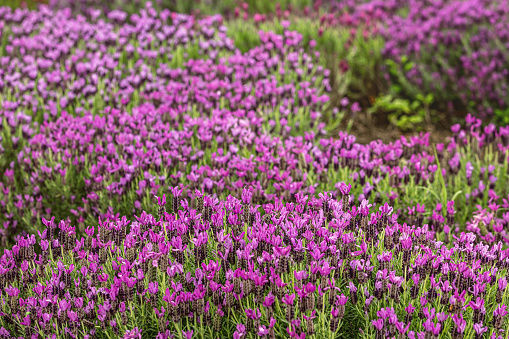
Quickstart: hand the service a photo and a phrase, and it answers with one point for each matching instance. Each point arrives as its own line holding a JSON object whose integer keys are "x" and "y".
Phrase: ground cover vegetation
{"x": 170, "y": 175}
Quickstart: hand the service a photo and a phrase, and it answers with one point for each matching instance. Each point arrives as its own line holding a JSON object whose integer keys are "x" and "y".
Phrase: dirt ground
{"x": 376, "y": 127}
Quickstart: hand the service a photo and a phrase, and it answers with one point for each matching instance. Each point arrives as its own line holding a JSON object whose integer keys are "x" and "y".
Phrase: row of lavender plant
{"x": 470, "y": 75}
{"x": 472, "y": 69}
{"x": 316, "y": 267}
{"x": 215, "y": 94}
{"x": 458, "y": 50}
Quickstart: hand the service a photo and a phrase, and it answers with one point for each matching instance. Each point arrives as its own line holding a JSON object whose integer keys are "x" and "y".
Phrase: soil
{"x": 367, "y": 128}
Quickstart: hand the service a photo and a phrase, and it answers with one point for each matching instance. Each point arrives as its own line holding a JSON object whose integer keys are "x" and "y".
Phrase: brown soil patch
{"x": 367, "y": 128}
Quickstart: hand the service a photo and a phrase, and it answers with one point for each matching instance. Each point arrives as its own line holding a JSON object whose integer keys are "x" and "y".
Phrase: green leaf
{"x": 408, "y": 66}
{"x": 416, "y": 119}
{"x": 396, "y": 89}
{"x": 415, "y": 105}
{"x": 402, "y": 122}
{"x": 455, "y": 195}
{"x": 429, "y": 99}
{"x": 441, "y": 178}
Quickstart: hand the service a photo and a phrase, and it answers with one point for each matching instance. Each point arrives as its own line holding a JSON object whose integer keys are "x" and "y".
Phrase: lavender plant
{"x": 316, "y": 267}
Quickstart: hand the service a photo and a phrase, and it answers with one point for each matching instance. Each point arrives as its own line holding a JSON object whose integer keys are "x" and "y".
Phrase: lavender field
{"x": 303, "y": 169}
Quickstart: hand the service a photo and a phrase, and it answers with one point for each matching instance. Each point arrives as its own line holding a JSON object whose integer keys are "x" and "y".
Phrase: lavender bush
{"x": 472, "y": 69}
{"x": 251, "y": 215}
{"x": 231, "y": 101}
{"x": 376, "y": 54}
{"x": 461, "y": 64}
{"x": 317, "y": 267}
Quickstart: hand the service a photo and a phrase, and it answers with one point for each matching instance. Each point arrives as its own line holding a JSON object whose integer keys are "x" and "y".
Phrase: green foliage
{"x": 31, "y": 4}
{"x": 403, "y": 113}
{"x": 397, "y": 71}
{"x": 205, "y": 7}
{"x": 210, "y": 7}
{"x": 362, "y": 79}
{"x": 267, "y": 6}
{"x": 502, "y": 116}
{"x": 245, "y": 34}
{"x": 406, "y": 105}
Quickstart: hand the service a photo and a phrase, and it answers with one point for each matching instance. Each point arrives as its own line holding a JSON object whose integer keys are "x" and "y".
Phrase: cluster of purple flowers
{"x": 294, "y": 269}
{"x": 457, "y": 49}
{"x": 209, "y": 112}
{"x": 471, "y": 38}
